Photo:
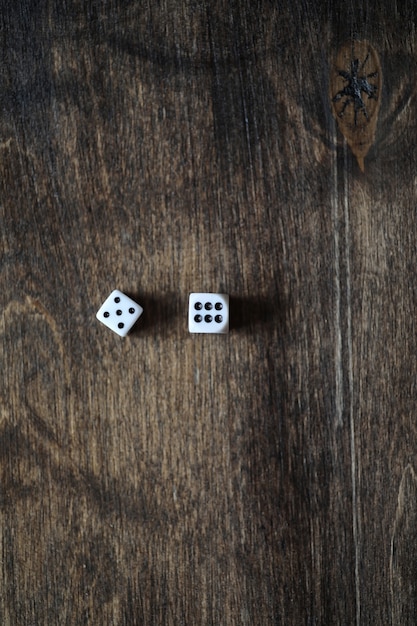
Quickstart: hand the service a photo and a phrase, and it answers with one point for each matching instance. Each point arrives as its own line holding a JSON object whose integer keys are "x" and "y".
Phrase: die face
{"x": 208, "y": 313}
{"x": 119, "y": 313}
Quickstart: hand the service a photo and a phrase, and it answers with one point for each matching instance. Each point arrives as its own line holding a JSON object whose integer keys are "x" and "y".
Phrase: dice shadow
{"x": 159, "y": 313}
{"x": 254, "y": 310}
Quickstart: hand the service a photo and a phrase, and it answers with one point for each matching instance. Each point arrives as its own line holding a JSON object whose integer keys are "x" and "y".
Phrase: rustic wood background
{"x": 264, "y": 477}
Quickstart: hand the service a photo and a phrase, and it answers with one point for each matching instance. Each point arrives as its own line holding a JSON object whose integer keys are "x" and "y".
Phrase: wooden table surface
{"x": 264, "y": 477}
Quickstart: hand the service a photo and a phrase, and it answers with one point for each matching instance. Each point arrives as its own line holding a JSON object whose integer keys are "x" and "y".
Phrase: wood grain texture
{"x": 264, "y": 477}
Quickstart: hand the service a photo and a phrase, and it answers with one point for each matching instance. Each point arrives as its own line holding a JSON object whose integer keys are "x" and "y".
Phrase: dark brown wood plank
{"x": 263, "y": 477}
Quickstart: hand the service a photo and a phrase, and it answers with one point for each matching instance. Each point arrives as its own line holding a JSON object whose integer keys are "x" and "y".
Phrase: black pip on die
{"x": 119, "y": 313}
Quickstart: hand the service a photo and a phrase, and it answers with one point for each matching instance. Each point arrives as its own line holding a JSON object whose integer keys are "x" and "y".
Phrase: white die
{"x": 119, "y": 313}
{"x": 208, "y": 313}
